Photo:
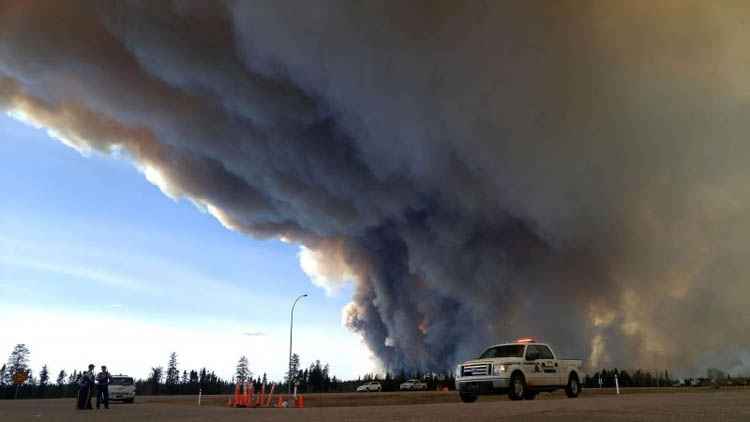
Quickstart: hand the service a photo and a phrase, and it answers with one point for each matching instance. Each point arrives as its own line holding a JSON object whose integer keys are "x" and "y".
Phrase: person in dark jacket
{"x": 85, "y": 387}
{"x": 103, "y": 379}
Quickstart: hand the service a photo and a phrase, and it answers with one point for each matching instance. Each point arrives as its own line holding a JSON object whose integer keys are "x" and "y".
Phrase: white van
{"x": 122, "y": 388}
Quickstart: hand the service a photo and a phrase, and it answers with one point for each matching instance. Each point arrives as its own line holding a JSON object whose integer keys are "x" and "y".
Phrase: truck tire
{"x": 517, "y": 387}
{"x": 467, "y": 398}
{"x": 574, "y": 386}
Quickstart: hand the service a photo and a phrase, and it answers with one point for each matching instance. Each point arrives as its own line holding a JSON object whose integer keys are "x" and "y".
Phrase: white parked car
{"x": 122, "y": 388}
{"x": 412, "y": 385}
{"x": 370, "y": 386}
{"x": 521, "y": 369}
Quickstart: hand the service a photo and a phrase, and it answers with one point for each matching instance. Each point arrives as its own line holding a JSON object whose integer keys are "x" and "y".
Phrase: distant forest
{"x": 313, "y": 379}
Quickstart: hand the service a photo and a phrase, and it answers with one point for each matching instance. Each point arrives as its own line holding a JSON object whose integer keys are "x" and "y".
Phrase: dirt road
{"x": 720, "y": 406}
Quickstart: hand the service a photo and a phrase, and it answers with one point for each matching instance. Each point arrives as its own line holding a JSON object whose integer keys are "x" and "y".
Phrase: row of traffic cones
{"x": 241, "y": 399}
{"x": 246, "y": 397}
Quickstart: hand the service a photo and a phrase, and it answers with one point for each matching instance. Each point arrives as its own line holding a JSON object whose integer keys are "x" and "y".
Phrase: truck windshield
{"x": 508, "y": 351}
{"x": 122, "y": 381}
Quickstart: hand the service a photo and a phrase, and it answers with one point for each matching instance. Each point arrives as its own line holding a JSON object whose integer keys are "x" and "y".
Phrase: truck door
{"x": 532, "y": 366}
{"x": 549, "y": 366}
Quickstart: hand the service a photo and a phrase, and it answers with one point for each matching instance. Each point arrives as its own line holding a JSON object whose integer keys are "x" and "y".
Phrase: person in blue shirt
{"x": 103, "y": 379}
{"x": 85, "y": 387}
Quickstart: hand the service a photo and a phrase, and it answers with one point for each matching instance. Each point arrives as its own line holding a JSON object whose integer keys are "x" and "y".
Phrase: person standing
{"x": 103, "y": 379}
{"x": 85, "y": 385}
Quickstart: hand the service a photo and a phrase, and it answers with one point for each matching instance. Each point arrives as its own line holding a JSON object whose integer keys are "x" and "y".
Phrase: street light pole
{"x": 291, "y": 327}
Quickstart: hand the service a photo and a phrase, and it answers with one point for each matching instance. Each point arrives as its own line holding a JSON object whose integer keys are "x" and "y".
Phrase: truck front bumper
{"x": 482, "y": 385}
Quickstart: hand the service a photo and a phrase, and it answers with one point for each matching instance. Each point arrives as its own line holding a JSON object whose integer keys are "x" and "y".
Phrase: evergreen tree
{"x": 638, "y": 378}
{"x": 203, "y": 377}
{"x": 2, "y": 375}
{"x": 173, "y": 374}
{"x": 155, "y": 379}
{"x": 44, "y": 376}
{"x": 61, "y": 377}
{"x": 18, "y": 361}
{"x": 293, "y": 369}
{"x": 315, "y": 377}
{"x": 648, "y": 380}
{"x": 185, "y": 379}
{"x": 304, "y": 380}
{"x": 326, "y": 379}
{"x": 243, "y": 373}
{"x": 299, "y": 380}
{"x": 625, "y": 379}
{"x": 334, "y": 384}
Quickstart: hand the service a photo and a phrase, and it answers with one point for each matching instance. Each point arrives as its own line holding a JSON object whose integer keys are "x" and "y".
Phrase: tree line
{"x": 66, "y": 384}
{"x": 643, "y": 378}
{"x": 315, "y": 378}
{"x": 638, "y": 378}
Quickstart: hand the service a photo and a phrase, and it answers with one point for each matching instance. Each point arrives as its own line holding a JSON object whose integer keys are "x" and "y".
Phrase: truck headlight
{"x": 498, "y": 369}
{"x": 458, "y": 370}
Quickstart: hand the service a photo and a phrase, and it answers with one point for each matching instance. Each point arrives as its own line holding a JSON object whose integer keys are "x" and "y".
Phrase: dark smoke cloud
{"x": 575, "y": 171}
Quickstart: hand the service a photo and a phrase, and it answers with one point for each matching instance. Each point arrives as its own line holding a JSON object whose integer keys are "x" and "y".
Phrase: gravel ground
{"x": 702, "y": 406}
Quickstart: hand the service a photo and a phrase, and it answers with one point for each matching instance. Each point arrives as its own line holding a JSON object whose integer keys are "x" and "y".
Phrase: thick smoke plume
{"x": 577, "y": 171}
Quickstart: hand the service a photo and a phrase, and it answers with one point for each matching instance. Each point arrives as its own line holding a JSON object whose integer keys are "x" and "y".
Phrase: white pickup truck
{"x": 122, "y": 388}
{"x": 521, "y": 369}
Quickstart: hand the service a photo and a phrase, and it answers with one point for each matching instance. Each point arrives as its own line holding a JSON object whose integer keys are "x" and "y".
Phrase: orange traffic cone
{"x": 270, "y": 396}
{"x": 236, "y": 399}
{"x": 250, "y": 402}
{"x": 301, "y": 401}
{"x": 261, "y": 396}
{"x": 245, "y": 395}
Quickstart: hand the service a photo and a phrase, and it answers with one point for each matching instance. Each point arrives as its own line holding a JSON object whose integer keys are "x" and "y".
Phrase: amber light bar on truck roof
{"x": 525, "y": 340}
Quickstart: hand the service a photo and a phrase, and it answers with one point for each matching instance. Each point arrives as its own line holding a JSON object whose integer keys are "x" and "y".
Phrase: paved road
{"x": 720, "y": 406}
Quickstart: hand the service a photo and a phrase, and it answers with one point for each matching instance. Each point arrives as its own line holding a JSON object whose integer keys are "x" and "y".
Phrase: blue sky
{"x": 87, "y": 238}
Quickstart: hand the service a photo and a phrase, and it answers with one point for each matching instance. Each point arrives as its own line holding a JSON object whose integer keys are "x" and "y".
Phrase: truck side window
{"x": 532, "y": 352}
{"x": 544, "y": 352}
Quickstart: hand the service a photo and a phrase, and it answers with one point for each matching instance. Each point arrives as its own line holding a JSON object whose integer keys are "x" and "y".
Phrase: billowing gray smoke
{"x": 577, "y": 171}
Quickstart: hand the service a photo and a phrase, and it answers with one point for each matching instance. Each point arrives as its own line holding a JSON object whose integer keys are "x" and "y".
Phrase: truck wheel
{"x": 574, "y": 387}
{"x": 517, "y": 389}
{"x": 467, "y": 398}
